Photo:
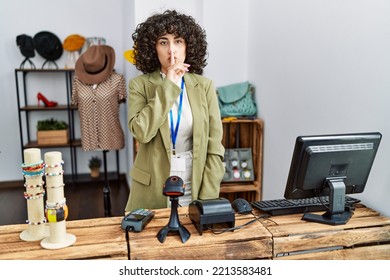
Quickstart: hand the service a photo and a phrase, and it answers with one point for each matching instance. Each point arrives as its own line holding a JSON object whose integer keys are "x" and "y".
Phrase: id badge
{"x": 178, "y": 163}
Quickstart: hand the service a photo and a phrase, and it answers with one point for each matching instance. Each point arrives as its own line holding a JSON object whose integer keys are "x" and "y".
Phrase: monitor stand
{"x": 337, "y": 214}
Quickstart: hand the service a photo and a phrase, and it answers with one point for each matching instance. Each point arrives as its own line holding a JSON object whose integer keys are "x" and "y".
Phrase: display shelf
{"x": 25, "y": 110}
{"x": 244, "y": 133}
{"x": 34, "y": 144}
{"x": 42, "y": 108}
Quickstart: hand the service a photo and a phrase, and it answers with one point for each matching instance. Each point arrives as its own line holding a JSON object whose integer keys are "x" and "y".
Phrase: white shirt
{"x": 184, "y": 135}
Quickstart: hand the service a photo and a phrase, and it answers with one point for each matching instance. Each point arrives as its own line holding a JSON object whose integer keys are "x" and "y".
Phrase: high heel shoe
{"x": 47, "y": 103}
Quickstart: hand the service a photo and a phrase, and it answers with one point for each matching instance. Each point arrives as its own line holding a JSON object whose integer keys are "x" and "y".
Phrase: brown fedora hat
{"x": 95, "y": 64}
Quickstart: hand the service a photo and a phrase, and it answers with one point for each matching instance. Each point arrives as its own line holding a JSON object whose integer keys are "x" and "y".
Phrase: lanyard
{"x": 174, "y": 131}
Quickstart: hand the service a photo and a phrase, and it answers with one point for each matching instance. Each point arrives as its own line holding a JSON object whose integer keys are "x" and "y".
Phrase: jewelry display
{"x": 244, "y": 164}
{"x": 57, "y": 213}
{"x": 34, "y": 196}
{"x": 33, "y": 170}
{"x": 54, "y": 174}
{"x": 247, "y": 174}
{"x": 238, "y": 165}
{"x": 56, "y": 209}
{"x": 236, "y": 174}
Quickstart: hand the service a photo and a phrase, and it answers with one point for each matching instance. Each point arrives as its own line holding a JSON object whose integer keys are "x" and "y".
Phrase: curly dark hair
{"x": 169, "y": 22}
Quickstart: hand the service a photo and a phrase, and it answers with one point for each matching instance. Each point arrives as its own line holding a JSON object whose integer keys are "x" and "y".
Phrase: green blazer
{"x": 150, "y": 99}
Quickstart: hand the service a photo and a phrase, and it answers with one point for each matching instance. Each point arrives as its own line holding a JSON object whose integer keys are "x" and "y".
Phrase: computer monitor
{"x": 331, "y": 165}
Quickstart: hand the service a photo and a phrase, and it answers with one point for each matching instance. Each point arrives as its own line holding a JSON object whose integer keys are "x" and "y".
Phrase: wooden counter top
{"x": 95, "y": 239}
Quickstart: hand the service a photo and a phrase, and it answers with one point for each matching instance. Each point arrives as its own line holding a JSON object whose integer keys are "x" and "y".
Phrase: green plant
{"x": 94, "y": 162}
{"x": 51, "y": 124}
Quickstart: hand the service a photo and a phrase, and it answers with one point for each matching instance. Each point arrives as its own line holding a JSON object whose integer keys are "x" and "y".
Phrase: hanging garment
{"x": 98, "y": 106}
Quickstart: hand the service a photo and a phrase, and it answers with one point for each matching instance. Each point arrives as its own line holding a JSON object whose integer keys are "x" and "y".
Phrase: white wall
{"x": 144, "y": 9}
{"x": 319, "y": 66}
{"x": 226, "y": 23}
{"x": 87, "y": 18}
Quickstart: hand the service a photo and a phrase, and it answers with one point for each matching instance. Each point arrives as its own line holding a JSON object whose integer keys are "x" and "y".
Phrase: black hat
{"x": 48, "y": 45}
{"x": 26, "y": 45}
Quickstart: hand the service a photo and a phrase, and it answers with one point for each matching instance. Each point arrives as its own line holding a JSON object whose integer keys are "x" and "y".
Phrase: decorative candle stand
{"x": 33, "y": 169}
{"x": 56, "y": 209}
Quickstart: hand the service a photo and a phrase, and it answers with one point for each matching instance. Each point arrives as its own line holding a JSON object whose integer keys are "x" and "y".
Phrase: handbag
{"x": 237, "y": 100}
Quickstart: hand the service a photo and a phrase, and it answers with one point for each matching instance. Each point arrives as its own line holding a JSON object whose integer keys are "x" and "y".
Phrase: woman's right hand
{"x": 177, "y": 69}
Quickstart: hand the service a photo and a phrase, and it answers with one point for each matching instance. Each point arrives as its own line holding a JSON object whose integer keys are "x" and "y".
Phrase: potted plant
{"x": 52, "y": 132}
{"x": 94, "y": 165}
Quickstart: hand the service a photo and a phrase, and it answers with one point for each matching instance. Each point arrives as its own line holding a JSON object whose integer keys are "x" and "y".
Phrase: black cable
{"x": 266, "y": 217}
{"x": 128, "y": 228}
{"x": 223, "y": 230}
{"x": 321, "y": 201}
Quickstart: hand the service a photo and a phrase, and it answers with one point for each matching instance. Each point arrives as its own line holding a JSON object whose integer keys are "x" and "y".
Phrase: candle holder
{"x": 33, "y": 169}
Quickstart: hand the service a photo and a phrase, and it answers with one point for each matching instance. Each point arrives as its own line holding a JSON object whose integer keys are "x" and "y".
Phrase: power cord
{"x": 321, "y": 201}
{"x": 128, "y": 228}
{"x": 223, "y": 230}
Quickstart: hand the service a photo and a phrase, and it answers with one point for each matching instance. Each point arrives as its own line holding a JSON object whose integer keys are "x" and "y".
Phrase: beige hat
{"x": 95, "y": 64}
{"x": 73, "y": 42}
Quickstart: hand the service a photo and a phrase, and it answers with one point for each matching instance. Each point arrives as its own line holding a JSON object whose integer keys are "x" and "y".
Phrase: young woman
{"x": 173, "y": 113}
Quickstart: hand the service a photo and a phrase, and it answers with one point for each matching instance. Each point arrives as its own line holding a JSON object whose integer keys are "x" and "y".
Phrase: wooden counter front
{"x": 366, "y": 236}
{"x": 250, "y": 242}
{"x": 95, "y": 239}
